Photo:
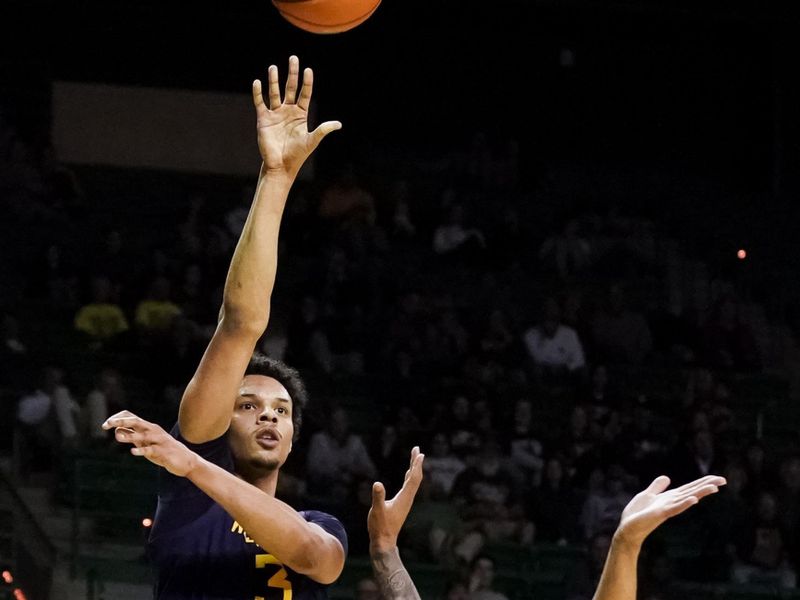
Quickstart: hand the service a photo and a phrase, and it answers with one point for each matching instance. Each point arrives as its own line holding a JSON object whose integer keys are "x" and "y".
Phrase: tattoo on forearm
{"x": 392, "y": 577}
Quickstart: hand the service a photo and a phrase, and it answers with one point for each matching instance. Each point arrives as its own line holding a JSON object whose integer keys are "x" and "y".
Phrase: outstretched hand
{"x": 152, "y": 442}
{"x": 651, "y": 507}
{"x": 283, "y": 136}
{"x": 386, "y": 517}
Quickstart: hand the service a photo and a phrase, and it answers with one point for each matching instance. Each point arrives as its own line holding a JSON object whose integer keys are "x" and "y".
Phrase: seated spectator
{"x": 620, "y": 334}
{"x": 487, "y": 497}
{"x": 554, "y": 348}
{"x": 727, "y": 340}
{"x": 604, "y": 505}
{"x": 455, "y": 590}
{"x": 101, "y": 319}
{"x": 460, "y": 427}
{"x": 47, "y": 423}
{"x": 526, "y": 449}
{"x": 481, "y": 580}
{"x": 441, "y": 467}
{"x": 106, "y": 398}
{"x": 337, "y": 459}
{"x": 455, "y": 238}
{"x": 155, "y": 313}
{"x": 498, "y": 341}
{"x": 698, "y": 458}
{"x": 553, "y": 505}
{"x": 567, "y": 252}
{"x": 761, "y": 554}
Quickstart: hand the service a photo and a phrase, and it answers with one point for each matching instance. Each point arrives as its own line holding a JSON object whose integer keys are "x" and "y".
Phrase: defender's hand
{"x": 386, "y": 517}
{"x": 651, "y": 507}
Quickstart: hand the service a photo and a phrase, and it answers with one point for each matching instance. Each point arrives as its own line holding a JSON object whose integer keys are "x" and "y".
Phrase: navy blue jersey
{"x": 201, "y": 553}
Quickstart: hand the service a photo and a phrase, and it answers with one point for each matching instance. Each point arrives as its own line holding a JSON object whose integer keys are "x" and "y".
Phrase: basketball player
{"x": 643, "y": 514}
{"x": 219, "y": 532}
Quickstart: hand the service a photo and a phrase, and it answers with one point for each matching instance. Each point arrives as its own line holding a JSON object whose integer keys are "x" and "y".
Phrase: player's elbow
{"x": 322, "y": 562}
{"x": 243, "y": 323}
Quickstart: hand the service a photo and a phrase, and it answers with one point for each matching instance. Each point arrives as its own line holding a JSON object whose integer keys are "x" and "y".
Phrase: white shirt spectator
{"x": 563, "y": 349}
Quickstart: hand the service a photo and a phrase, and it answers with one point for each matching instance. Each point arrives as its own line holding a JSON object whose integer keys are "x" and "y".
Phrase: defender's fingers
{"x": 658, "y": 485}
{"x": 679, "y": 507}
{"x": 291, "y": 82}
{"x": 378, "y": 495}
{"x": 273, "y": 89}
{"x": 305, "y": 93}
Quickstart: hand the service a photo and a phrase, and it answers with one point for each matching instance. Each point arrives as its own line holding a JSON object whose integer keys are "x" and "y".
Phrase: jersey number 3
{"x": 279, "y": 580}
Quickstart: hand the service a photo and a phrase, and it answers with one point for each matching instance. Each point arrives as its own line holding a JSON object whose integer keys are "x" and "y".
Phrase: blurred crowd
{"x": 550, "y": 357}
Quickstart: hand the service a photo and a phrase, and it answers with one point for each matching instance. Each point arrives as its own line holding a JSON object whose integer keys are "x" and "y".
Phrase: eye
{"x": 281, "y": 410}
{"x": 247, "y": 405}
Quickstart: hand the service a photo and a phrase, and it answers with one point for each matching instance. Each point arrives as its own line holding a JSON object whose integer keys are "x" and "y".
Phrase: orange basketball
{"x": 326, "y": 16}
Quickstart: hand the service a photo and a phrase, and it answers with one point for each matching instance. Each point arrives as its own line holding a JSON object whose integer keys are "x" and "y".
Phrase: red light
{"x": 7, "y": 577}
{"x": 741, "y": 254}
{"x": 18, "y": 594}
{"x": 147, "y": 522}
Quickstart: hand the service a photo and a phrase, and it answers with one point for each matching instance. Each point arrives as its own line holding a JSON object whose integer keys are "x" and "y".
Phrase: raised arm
{"x": 648, "y": 509}
{"x": 386, "y": 518}
{"x": 284, "y": 142}
{"x": 274, "y": 525}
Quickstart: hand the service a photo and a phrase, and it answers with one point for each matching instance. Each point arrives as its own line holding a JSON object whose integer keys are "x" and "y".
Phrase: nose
{"x": 268, "y": 414}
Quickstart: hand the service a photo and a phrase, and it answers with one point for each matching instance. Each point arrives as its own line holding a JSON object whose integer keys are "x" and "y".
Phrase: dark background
{"x": 665, "y": 98}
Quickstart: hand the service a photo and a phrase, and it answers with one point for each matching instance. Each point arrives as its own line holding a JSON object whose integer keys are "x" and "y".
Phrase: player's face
{"x": 261, "y": 429}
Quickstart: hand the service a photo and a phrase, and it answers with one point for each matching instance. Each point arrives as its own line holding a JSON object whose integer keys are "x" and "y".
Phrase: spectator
{"x": 101, "y": 319}
{"x": 697, "y": 459}
{"x": 604, "y": 504}
{"x": 336, "y": 459}
{"x": 498, "y": 341}
{"x": 554, "y": 348}
{"x": 456, "y": 590}
{"x": 455, "y": 238}
{"x": 442, "y": 467}
{"x": 488, "y": 498}
{"x": 106, "y": 398}
{"x": 619, "y": 333}
{"x": 553, "y": 505}
{"x": 47, "y": 421}
{"x": 155, "y": 313}
{"x": 567, "y": 252}
{"x": 526, "y": 449}
{"x": 460, "y": 428}
{"x": 762, "y": 556}
{"x": 481, "y": 580}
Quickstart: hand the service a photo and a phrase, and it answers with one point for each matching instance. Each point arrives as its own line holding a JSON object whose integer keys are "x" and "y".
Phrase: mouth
{"x": 268, "y": 439}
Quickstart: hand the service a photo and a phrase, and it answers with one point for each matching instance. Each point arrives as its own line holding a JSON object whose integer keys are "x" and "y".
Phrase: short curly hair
{"x": 288, "y": 377}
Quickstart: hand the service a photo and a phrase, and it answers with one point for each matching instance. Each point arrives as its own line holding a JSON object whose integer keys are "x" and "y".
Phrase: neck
{"x": 264, "y": 480}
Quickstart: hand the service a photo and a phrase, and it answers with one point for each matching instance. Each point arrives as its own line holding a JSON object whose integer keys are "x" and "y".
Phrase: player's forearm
{"x": 391, "y": 575}
{"x": 618, "y": 580}
{"x": 251, "y": 275}
{"x": 273, "y": 525}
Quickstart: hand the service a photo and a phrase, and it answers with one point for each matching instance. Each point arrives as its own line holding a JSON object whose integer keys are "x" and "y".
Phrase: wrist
{"x": 194, "y": 464}
{"x": 383, "y": 546}
{"x": 624, "y": 541}
{"x": 277, "y": 176}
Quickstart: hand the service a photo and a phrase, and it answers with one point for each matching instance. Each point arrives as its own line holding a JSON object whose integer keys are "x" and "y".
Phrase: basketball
{"x": 326, "y": 16}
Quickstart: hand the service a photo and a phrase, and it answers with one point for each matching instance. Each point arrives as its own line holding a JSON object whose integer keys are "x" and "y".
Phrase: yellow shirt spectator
{"x": 101, "y": 320}
{"x": 156, "y": 315}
